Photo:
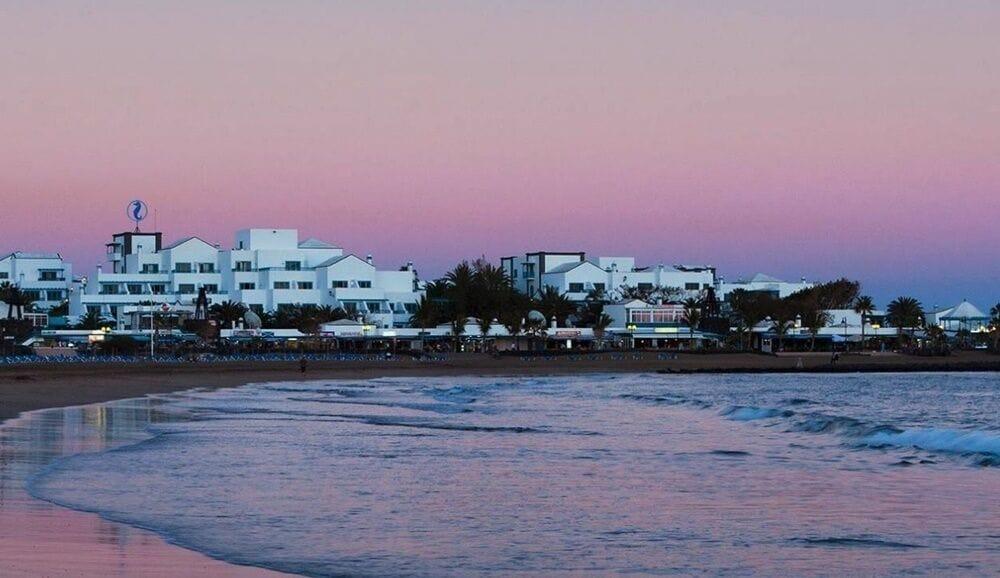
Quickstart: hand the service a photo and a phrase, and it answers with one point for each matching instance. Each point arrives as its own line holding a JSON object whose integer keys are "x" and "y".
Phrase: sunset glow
{"x": 849, "y": 139}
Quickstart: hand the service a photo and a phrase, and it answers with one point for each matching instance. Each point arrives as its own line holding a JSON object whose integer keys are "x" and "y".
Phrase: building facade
{"x": 962, "y": 317}
{"x": 44, "y": 277}
{"x": 761, "y": 283}
{"x": 576, "y": 276}
{"x": 265, "y": 269}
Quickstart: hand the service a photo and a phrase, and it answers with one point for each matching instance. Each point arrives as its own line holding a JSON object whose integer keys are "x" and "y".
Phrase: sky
{"x": 800, "y": 139}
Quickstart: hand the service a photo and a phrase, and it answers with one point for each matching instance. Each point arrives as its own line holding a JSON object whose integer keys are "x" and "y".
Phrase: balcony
{"x": 357, "y": 294}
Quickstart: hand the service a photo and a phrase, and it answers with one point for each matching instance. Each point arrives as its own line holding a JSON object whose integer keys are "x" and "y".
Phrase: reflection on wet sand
{"x": 40, "y": 539}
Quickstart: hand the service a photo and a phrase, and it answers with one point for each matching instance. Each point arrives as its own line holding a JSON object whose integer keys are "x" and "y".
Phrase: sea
{"x": 581, "y": 475}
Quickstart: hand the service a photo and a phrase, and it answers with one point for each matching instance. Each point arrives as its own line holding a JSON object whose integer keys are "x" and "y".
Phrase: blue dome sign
{"x": 137, "y": 211}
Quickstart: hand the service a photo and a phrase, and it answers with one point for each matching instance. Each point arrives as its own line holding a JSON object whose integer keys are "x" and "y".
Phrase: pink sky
{"x": 799, "y": 139}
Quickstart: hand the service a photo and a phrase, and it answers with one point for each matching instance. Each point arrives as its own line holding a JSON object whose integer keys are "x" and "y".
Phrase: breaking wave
{"x": 938, "y": 440}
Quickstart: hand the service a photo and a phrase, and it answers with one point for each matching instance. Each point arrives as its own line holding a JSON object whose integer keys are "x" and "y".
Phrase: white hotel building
{"x": 575, "y": 275}
{"x": 266, "y": 268}
{"x": 761, "y": 283}
{"x": 44, "y": 277}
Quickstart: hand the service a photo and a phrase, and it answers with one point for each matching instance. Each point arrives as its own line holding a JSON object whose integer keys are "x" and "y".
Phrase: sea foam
{"x": 939, "y": 440}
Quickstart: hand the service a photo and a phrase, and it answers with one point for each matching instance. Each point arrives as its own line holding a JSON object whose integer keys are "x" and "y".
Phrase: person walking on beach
{"x": 302, "y": 364}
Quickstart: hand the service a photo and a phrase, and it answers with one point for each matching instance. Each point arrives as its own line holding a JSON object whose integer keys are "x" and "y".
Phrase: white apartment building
{"x": 45, "y": 277}
{"x": 761, "y": 283}
{"x": 265, "y": 269}
{"x": 575, "y": 275}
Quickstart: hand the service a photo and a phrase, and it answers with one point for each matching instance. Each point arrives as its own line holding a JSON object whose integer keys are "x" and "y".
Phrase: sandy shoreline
{"x": 26, "y": 388}
{"x": 40, "y": 538}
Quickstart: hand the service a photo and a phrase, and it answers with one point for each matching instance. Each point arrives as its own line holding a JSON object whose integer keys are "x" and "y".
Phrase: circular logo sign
{"x": 137, "y": 210}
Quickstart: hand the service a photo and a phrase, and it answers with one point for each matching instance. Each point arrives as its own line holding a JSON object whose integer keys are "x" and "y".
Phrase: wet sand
{"x": 40, "y": 539}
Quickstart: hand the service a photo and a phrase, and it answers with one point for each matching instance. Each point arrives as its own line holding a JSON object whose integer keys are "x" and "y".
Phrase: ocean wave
{"x": 750, "y": 413}
{"x": 857, "y": 542}
{"x": 938, "y": 440}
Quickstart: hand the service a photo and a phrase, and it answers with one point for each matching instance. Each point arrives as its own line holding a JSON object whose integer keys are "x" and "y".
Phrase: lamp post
{"x": 152, "y": 337}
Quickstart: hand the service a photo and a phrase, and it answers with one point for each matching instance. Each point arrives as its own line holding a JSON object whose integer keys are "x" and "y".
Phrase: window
{"x": 53, "y": 295}
{"x": 281, "y": 285}
{"x": 182, "y": 267}
{"x": 374, "y": 306}
{"x": 4, "y": 275}
{"x": 706, "y": 286}
{"x": 134, "y": 289}
{"x": 691, "y": 286}
{"x": 645, "y": 286}
{"x": 598, "y": 286}
{"x": 365, "y": 284}
{"x": 305, "y": 285}
{"x": 109, "y": 289}
{"x": 351, "y": 307}
{"x": 656, "y": 316}
{"x": 185, "y": 288}
{"x": 211, "y": 288}
{"x": 576, "y": 287}
{"x": 158, "y": 289}
{"x": 515, "y": 274}
{"x": 339, "y": 284}
{"x": 33, "y": 295}
{"x": 293, "y": 265}
{"x": 150, "y": 268}
{"x": 94, "y": 309}
{"x": 48, "y": 276}
{"x": 410, "y": 307}
{"x": 206, "y": 267}
{"x": 248, "y": 286}
{"x": 243, "y": 266}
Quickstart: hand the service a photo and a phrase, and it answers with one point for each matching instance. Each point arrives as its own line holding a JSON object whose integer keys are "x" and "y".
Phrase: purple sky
{"x": 796, "y": 138}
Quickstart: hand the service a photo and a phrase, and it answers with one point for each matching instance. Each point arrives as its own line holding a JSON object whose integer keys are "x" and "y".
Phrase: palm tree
{"x": 935, "y": 335}
{"x": 512, "y": 321}
{"x": 534, "y": 328}
{"x": 228, "y": 312}
{"x": 748, "y": 310}
{"x": 666, "y": 293}
{"x": 781, "y": 322}
{"x": 630, "y": 292}
{"x": 484, "y": 324}
{"x": 91, "y": 321}
{"x": 601, "y": 325}
{"x": 864, "y": 306}
{"x": 814, "y": 319}
{"x": 460, "y": 285}
{"x": 692, "y": 316}
{"x": 328, "y": 313}
{"x": 458, "y": 327}
{"x": 905, "y": 312}
{"x": 554, "y": 304}
{"x": 491, "y": 286}
{"x": 16, "y": 299}
{"x": 426, "y": 314}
